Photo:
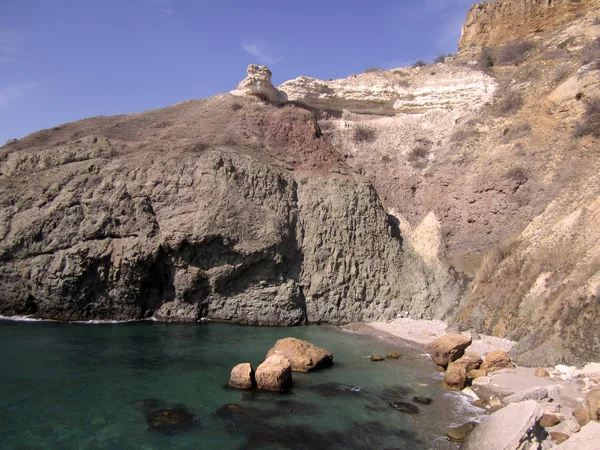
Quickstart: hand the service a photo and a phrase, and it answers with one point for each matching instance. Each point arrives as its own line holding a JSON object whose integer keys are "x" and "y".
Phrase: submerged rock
{"x": 335, "y": 389}
{"x": 460, "y": 433}
{"x": 302, "y": 355}
{"x": 406, "y": 408}
{"x": 274, "y": 374}
{"x": 171, "y": 420}
{"x": 393, "y": 355}
{"x": 422, "y": 400}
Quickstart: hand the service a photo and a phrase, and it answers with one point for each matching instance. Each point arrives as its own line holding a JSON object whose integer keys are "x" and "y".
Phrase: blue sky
{"x": 65, "y": 60}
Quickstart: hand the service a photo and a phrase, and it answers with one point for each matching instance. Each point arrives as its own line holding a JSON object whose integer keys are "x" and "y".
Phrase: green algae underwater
{"x": 162, "y": 386}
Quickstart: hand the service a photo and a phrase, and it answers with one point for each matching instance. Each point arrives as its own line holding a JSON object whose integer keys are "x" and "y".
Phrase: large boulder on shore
{"x": 455, "y": 378}
{"x": 496, "y": 360}
{"x": 587, "y": 438}
{"x": 302, "y": 355}
{"x": 514, "y": 427}
{"x": 274, "y": 374}
{"x": 242, "y": 377}
{"x": 448, "y": 348}
{"x": 593, "y": 403}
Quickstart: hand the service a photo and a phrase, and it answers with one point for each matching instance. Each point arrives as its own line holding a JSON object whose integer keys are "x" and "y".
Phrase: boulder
{"x": 541, "y": 372}
{"x": 274, "y": 374}
{"x": 558, "y": 436}
{"x": 471, "y": 361}
{"x": 533, "y": 393}
{"x": 171, "y": 420}
{"x": 393, "y": 355}
{"x": 459, "y": 434}
{"x": 582, "y": 415}
{"x": 593, "y": 403}
{"x": 549, "y": 420}
{"x": 513, "y": 427}
{"x": 302, "y": 355}
{"x": 477, "y": 373}
{"x": 242, "y": 377}
{"x": 376, "y": 358}
{"x": 587, "y": 438}
{"x": 496, "y": 360}
{"x": 455, "y": 378}
{"x": 448, "y": 348}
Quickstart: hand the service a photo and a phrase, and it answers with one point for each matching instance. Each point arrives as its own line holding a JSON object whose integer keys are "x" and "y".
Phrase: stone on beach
{"x": 549, "y": 420}
{"x": 496, "y": 360}
{"x": 593, "y": 403}
{"x": 302, "y": 355}
{"x": 582, "y": 415}
{"x": 242, "y": 377}
{"x": 587, "y": 438}
{"x": 477, "y": 373}
{"x": 533, "y": 393}
{"x": 471, "y": 361}
{"x": 448, "y": 348}
{"x": 541, "y": 372}
{"x": 274, "y": 374}
{"x": 513, "y": 427}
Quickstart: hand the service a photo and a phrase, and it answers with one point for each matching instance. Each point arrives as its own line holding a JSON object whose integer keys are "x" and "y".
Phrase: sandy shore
{"x": 423, "y": 332}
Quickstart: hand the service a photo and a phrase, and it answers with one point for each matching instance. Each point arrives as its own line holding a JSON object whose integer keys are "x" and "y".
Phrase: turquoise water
{"x": 75, "y": 386}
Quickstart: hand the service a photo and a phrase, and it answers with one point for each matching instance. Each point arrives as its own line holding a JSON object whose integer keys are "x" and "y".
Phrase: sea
{"x": 103, "y": 386}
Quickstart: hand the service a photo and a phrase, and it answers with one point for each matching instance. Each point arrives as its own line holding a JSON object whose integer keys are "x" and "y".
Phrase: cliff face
{"x": 500, "y": 21}
{"x": 137, "y": 216}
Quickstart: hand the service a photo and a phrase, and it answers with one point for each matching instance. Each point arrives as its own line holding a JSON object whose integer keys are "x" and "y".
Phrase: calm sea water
{"x": 75, "y": 386}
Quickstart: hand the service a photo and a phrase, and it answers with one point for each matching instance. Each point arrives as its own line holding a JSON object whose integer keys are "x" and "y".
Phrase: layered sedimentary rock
{"x": 497, "y": 22}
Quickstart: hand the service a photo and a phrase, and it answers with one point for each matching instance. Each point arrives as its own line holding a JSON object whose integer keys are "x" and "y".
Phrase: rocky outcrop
{"x": 242, "y": 377}
{"x": 258, "y": 84}
{"x": 179, "y": 229}
{"x": 499, "y": 21}
{"x": 513, "y": 427}
{"x": 448, "y": 348}
{"x": 274, "y": 374}
{"x": 401, "y": 91}
{"x": 303, "y": 355}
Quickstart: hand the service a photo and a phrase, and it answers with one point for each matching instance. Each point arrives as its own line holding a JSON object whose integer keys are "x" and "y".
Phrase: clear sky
{"x": 64, "y": 60}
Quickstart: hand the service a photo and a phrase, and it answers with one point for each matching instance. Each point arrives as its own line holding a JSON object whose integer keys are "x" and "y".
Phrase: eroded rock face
{"x": 274, "y": 374}
{"x": 409, "y": 91}
{"x": 500, "y": 21}
{"x": 303, "y": 355}
{"x": 258, "y": 84}
{"x": 134, "y": 226}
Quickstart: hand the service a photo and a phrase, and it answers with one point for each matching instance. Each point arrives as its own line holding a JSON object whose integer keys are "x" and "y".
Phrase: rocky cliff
{"x": 222, "y": 209}
{"x": 500, "y": 21}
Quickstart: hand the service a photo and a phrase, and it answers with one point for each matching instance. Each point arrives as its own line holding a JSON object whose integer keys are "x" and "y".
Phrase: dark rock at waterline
{"x": 376, "y": 358}
{"x": 148, "y": 405}
{"x": 396, "y": 392}
{"x": 171, "y": 420}
{"x": 422, "y": 400}
{"x": 294, "y": 407}
{"x": 393, "y": 355}
{"x": 334, "y": 389}
{"x": 406, "y": 408}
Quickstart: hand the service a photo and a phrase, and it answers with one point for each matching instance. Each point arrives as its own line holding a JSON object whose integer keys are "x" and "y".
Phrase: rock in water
{"x": 406, "y": 408}
{"x": 376, "y": 358}
{"x": 455, "y": 378}
{"x": 422, "y": 400}
{"x": 459, "y": 434}
{"x": 242, "y": 377}
{"x": 393, "y": 355}
{"x": 302, "y": 355}
{"x": 274, "y": 374}
{"x": 448, "y": 348}
{"x": 171, "y": 420}
{"x": 496, "y": 360}
{"x": 514, "y": 427}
